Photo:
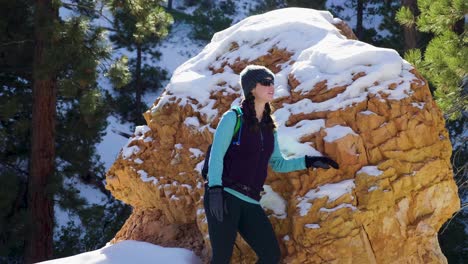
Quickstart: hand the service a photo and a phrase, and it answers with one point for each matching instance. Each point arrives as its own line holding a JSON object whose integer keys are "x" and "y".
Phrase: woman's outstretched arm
{"x": 279, "y": 164}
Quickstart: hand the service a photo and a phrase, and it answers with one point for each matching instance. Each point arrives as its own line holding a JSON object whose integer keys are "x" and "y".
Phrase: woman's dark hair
{"x": 251, "y": 118}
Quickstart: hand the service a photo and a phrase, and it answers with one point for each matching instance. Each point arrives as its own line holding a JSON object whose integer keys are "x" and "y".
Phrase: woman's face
{"x": 265, "y": 90}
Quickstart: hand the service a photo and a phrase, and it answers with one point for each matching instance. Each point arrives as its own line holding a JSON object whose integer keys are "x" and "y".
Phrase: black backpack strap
{"x": 238, "y": 127}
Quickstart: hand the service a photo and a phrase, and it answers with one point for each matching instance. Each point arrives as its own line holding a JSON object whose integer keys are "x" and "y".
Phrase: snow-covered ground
{"x": 129, "y": 251}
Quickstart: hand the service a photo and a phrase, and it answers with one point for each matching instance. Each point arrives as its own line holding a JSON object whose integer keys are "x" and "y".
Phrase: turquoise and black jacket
{"x": 242, "y": 169}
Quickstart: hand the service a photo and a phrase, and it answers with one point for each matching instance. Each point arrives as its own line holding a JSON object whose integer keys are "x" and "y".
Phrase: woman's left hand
{"x": 320, "y": 162}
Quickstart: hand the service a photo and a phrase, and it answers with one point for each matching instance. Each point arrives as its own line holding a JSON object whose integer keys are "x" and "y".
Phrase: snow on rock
{"x": 196, "y": 152}
{"x": 312, "y": 226}
{"x": 192, "y": 121}
{"x": 130, "y": 251}
{"x": 144, "y": 177}
{"x": 128, "y": 150}
{"x": 344, "y": 205}
{"x": 370, "y": 170}
{"x": 332, "y": 190}
{"x": 337, "y": 132}
{"x": 274, "y": 202}
{"x": 198, "y": 168}
{"x": 367, "y": 112}
{"x": 335, "y": 96}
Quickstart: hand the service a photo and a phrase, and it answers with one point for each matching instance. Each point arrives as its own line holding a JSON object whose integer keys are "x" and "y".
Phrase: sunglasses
{"x": 266, "y": 82}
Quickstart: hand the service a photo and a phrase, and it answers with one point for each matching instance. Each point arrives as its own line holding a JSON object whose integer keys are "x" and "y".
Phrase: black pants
{"x": 252, "y": 224}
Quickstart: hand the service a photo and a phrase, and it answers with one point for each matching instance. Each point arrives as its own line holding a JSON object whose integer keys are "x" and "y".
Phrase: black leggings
{"x": 252, "y": 224}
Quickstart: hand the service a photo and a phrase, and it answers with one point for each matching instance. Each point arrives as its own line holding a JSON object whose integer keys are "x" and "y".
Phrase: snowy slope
{"x": 126, "y": 252}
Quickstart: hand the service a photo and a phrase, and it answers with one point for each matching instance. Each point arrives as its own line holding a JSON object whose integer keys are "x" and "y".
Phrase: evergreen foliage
{"x": 209, "y": 19}
{"x": 138, "y": 26}
{"x": 81, "y": 119}
{"x": 389, "y": 34}
{"x": 443, "y": 62}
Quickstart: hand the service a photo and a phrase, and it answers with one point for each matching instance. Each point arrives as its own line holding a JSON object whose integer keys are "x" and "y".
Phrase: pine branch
{"x": 16, "y": 42}
{"x": 405, "y": 17}
{"x": 99, "y": 12}
{"x": 121, "y": 133}
{"x": 463, "y": 206}
{"x": 15, "y": 168}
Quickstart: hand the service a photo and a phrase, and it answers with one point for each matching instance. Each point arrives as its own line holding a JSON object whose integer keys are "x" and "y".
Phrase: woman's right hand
{"x": 215, "y": 197}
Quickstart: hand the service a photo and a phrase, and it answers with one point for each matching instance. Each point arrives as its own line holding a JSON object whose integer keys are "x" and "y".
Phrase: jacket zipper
{"x": 261, "y": 137}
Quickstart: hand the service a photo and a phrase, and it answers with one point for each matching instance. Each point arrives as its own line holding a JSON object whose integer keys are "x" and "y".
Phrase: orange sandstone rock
{"x": 385, "y": 204}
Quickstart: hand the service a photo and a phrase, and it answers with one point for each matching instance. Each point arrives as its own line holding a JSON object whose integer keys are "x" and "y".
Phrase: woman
{"x": 238, "y": 171}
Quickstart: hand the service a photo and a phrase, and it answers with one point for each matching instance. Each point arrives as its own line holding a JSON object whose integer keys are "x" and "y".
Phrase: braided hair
{"x": 252, "y": 121}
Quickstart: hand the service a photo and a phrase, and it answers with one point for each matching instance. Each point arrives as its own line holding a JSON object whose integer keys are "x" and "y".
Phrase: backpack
{"x": 235, "y": 141}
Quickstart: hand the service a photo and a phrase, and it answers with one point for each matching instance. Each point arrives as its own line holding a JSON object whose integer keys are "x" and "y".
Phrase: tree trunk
{"x": 459, "y": 27}
{"x": 359, "y": 29}
{"x": 138, "y": 88}
{"x": 40, "y": 206}
{"x": 169, "y": 4}
{"x": 209, "y": 4}
{"x": 410, "y": 33}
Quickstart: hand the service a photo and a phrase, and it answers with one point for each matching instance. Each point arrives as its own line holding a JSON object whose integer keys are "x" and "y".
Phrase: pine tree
{"x": 139, "y": 25}
{"x": 410, "y": 32}
{"x": 67, "y": 66}
{"x": 16, "y": 53}
{"x": 365, "y": 10}
{"x": 40, "y": 205}
{"x": 444, "y": 61}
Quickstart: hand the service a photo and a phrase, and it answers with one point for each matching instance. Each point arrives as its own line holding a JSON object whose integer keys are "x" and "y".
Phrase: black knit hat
{"x": 253, "y": 74}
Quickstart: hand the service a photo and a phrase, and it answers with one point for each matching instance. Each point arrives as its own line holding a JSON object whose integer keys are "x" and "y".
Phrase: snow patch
{"x": 196, "y": 152}
{"x": 139, "y": 134}
{"x": 192, "y": 121}
{"x": 312, "y": 226}
{"x": 370, "y": 170}
{"x": 332, "y": 190}
{"x": 367, "y": 112}
{"x": 273, "y": 201}
{"x": 337, "y": 132}
{"x": 129, "y": 251}
{"x": 344, "y": 205}
{"x": 144, "y": 177}
{"x": 198, "y": 168}
{"x": 419, "y": 105}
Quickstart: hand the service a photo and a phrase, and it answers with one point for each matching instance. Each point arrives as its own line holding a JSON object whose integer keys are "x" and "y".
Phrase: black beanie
{"x": 253, "y": 74}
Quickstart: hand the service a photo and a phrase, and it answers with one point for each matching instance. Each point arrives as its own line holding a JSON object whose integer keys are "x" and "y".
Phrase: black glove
{"x": 320, "y": 162}
{"x": 215, "y": 196}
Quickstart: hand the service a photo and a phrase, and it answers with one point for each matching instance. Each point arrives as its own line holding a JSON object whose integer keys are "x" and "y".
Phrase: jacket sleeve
{"x": 279, "y": 164}
{"x": 221, "y": 141}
